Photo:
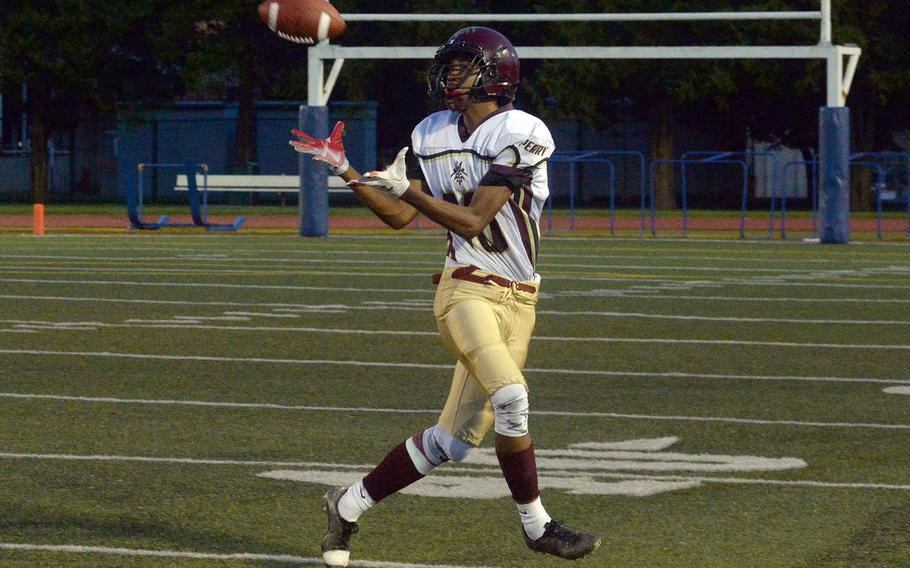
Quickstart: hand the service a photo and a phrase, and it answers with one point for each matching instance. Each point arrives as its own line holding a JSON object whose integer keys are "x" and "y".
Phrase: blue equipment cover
{"x": 834, "y": 175}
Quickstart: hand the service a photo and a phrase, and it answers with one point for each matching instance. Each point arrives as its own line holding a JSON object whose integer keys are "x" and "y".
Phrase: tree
{"x": 70, "y": 54}
{"x": 230, "y": 64}
{"x": 774, "y": 101}
{"x": 880, "y": 97}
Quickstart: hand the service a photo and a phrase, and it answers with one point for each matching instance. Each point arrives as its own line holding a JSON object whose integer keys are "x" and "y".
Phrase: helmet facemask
{"x": 459, "y": 78}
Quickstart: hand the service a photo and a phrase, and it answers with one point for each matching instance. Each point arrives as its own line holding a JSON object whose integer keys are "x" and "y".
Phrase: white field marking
{"x": 406, "y": 305}
{"x": 220, "y": 285}
{"x": 493, "y": 487}
{"x": 238, "y": 556}
{"x": 639, "y": 445}
{"x": 355, "y": 241}
{"x": 377, "y": 410}
{"x": 634, "y": 340}
{"x": 206, "y": 318}
{"x": 217, "y": 264}
{"x": 58, "y": 326}
{"x": 17, "y": 331}
{"x": 399, "y": 270}
{"x": 622, "y": 294}
{"x": 573, "y": 469}
{"x": 449, "y": 367}
{"x": 723, "y": 282}
{"x": 897, "y": 390}
{"x": 213, "y": 285}
{"x": 408, "y": 302}
{"x": 752, "y": 283}
{"x": 311, "y": 307}
{"x": 347, "y": 251}
{"x": 641, "y": 315}
{"x": 888, "y": 270}
{"x": 261, "y": 315}
{"x": 188, "y": 319}
{"x": 166, "y": 321}
{"x": 264, "y": 272}
{"x": 420, "y": 305}
{"x": 358, "y": 470}
{"x": 45, "y": 327}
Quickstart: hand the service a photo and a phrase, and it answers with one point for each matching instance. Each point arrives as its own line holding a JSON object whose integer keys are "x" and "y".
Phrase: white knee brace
{"x": 453, "y": 448}
{"x": 510, "y": 403}
{"x": 437, "y": 446}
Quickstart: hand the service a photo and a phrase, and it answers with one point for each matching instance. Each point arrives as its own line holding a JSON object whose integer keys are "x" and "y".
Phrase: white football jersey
{"x": 513, "y": 143}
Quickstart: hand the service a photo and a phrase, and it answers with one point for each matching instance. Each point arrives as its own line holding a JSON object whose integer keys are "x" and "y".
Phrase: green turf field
{"x": 184, "y": 400}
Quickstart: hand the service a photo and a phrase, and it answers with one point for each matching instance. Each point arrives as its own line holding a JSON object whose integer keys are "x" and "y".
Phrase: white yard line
{"x": 408, "y": 274}
{"x": 426, "y": 290}
{"x": 400, "y": 307}
{"x": 607, "y": 294}
{"x": 683, "y": 254}
{"x": 641, "y": 315}
{"x": 406, "y": 333}
{"x": 621, "y": 294}
{"x": 238, "y": 556}
{"x": 681, "y": 375}
{"x": 445, "y": 367}
{"x": 344, "y": 409}
{"x": 216, "y": 263}
{"x": 214, "y": 271}
{"x": 213, "y": 254}
{"x": 447, "y": 469}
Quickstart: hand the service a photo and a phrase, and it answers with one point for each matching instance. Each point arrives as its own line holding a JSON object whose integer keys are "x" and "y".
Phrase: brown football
{"x": 302, "y": 21}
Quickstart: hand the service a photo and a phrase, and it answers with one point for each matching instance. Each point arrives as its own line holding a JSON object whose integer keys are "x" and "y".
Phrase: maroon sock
{"x": 396, "y": 472}
{"x": 520, "y": 471}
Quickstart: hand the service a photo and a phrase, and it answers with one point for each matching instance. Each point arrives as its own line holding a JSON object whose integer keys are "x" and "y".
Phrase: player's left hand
{"x": 330, "y": 150}
{"x": 393, "y": 179}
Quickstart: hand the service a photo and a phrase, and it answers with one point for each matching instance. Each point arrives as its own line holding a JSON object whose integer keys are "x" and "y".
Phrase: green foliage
{"x": 775, "y": 99}
{"x": 92, "y": 55}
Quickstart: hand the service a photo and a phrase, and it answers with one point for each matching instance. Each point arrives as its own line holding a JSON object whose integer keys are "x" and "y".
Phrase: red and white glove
{"x": 393, "y": 179}
{"x": 330, "y": 150}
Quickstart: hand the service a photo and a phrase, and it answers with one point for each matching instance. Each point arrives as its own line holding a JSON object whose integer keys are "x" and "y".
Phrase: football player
{"x": 482, "y": 175}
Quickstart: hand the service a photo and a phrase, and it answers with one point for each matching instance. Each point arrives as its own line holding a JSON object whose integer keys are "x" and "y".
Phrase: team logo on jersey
{"x": 459, "y": 174}
{"x": 636, "y": 468}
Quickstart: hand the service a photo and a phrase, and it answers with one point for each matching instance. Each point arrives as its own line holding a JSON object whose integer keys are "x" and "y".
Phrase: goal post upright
{"x": 840, "y": 72}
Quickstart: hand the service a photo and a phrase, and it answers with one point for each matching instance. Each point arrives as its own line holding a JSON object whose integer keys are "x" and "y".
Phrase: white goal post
{"x": 841, "y": 59}
{"x": 834, "y": 125}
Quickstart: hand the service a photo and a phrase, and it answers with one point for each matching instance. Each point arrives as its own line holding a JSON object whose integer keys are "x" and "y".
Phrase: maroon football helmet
{"x": 491, "y": 61}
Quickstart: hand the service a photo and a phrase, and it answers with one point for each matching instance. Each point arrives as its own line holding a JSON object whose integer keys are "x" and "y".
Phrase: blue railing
{"x": 778, "y": 184}
{"x": 573, "y": 158}
{"x": 714, "y": 156}
{"x": 905, "y": 156}
{"x": 684, "y": 190}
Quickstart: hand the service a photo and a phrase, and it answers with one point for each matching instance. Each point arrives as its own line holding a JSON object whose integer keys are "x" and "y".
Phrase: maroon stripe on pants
{"x": 520, "y": 471}
{"x": 396, "y": 472}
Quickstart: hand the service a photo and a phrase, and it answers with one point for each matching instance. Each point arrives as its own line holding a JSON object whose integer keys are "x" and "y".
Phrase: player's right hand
{"x": 330, "y": 150}
{"x": 392, "y": 179}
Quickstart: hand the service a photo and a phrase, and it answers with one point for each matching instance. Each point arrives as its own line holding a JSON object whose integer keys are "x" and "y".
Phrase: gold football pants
{"x": 487, "y": 326}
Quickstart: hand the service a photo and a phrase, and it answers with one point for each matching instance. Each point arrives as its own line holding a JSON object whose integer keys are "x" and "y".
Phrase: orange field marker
{"x": 39, "y": 219}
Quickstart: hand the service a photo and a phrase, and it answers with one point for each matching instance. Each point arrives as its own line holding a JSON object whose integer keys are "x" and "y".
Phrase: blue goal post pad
{"x": 314, "y": 190}
{"x": 834, "y": 175}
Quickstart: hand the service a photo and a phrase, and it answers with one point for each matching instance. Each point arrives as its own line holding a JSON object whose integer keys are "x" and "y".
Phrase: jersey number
{"x": 491, "y": 239}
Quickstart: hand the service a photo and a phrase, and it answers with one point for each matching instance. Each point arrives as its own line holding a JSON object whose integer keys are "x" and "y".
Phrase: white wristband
{"x": 338, "y": 170}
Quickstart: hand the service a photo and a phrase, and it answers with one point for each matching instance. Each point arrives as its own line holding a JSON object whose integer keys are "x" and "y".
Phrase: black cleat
{"x": 335, "y": 548}
{"x": 563, "y": 542}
